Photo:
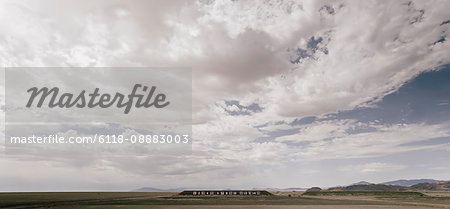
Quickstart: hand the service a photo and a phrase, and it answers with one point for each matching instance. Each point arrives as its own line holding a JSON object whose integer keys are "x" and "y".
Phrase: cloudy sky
{"x": 284, "y": 93}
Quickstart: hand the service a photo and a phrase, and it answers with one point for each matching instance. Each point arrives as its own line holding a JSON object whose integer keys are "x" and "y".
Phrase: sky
{"x": 284, "y": 93}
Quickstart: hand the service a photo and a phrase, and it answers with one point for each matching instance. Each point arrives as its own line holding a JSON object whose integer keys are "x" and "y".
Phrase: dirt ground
{"x": 172, "y": 200}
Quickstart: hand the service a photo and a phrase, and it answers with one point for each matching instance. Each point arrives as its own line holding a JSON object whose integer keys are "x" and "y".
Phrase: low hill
{"x": 314, "y": 189}
{"x": 365, "y": 193}
{"x": 370, "y": 187}
{"x": 438, "y": 186}
{"x": 361, "y": 183}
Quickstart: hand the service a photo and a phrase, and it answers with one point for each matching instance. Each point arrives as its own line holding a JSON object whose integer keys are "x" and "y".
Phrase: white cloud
{"x": 335, "y": 143}
{"x": 240, "y": 50}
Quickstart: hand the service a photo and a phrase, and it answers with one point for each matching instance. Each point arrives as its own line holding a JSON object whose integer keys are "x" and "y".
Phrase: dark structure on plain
{"x": 226, "y": 193}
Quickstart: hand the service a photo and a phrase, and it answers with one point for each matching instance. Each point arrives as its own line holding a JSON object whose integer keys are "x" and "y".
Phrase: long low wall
{"x": 226, "y": 192}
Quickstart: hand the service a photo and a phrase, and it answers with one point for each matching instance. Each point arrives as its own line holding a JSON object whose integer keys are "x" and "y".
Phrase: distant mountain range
{"x": 398, "y": 185}
{"x": 424, "y": 185}
{"x": 151, "y": 189}
{"x": 369, "y": 187}
{"x": 401, "y": 182}
{"x": 408, "y": 183}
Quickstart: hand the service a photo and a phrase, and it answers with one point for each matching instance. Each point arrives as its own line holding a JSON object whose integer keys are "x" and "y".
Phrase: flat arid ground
{"x": 351, "y": 200}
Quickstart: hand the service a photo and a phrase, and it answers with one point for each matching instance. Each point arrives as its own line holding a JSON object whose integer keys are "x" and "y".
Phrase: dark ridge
{"x": 226, "y": 193}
